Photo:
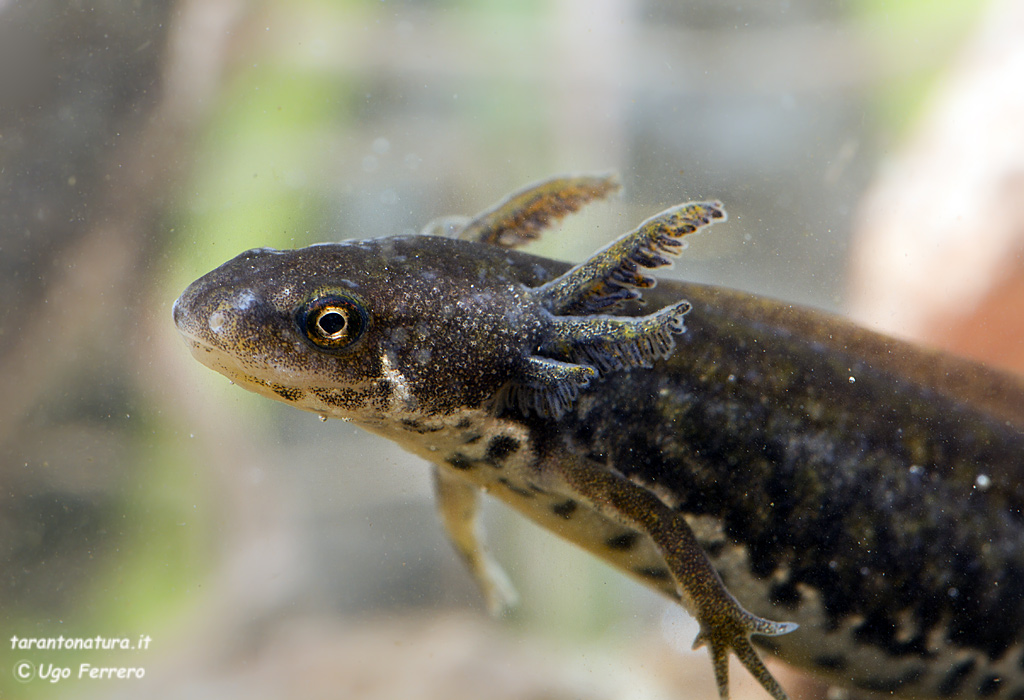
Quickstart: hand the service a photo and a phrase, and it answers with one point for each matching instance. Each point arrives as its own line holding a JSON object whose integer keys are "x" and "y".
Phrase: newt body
{"x": 767, "y": 462}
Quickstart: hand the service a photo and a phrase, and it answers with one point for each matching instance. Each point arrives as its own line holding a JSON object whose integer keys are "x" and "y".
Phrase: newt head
{"x": 408, "y": 327}
{"x": 348, "y": 329}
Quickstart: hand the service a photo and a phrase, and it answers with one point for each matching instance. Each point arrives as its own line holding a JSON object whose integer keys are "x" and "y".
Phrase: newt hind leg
{"x": 458, "y": 503}
{"x": 732, "y": 633}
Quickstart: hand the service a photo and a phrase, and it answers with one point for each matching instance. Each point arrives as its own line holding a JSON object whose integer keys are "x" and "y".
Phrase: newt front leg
{"x": 724, "y": 625}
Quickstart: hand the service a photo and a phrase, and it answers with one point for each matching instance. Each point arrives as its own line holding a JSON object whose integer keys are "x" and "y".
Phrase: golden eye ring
{"x": 333, "y": 321}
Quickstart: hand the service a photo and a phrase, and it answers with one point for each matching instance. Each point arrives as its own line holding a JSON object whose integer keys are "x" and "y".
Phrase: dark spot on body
{"x": 830, "y": 662}
{"x": 471, "y": 438}
{"x": 785, "y": 594}
{"x": 878, "y": 629}
{"x": 341, "y": 398}
{"x": 415, "y": 426}
{"x": 287, "y": 393}
{"x": 989, "y": 685}
{"x": 763, "y": 559}
{"x": 500, "y": 447}
{"x": 565, "y": 509}
{"x": 714, "y": 549}
{"x": 385, "y": 388}
{"x": 461, "y": 462}
{"x": 623, "y": 542}
{"x": 518, "y": 490}
{"x": 956, "y": 677}
{"x": 653, "y": 573}
{"x": 463, "y": 424}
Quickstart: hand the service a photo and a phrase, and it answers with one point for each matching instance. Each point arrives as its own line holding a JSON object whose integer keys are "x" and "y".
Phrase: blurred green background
{"x": 268, "y": 554}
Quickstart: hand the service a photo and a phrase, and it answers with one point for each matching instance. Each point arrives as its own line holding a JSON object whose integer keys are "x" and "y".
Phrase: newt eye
{"x": 334, "y": 321}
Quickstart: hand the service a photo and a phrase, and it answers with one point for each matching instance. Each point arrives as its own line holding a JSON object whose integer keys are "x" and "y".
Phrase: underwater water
{"x": 157, "y": 518}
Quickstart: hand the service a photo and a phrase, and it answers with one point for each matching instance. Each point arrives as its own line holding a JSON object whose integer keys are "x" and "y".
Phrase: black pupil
{"x": 332, "y": 322}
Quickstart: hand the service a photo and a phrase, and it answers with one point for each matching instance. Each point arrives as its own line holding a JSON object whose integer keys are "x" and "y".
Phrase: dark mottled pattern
{"x": 652, "y": 573}
{"x": 500, "y": 447}
{"x": 415, "y": 426}
{"x": 340, "y": 398}
{"x": 565, "y": 509}
{"x": 516, "y": 489}
{"x": 989, "y": 686}
{"x": 862, "y": 490}
{"x": 623, "y": 542}
{"x": 785, "y": 595}
{"x": 714, "y": 549}
{"x": 830, "y": 663}
{"x": 461, "y": 462}
{"x": 955, "y": 677}
{"x": 287, "y": 393}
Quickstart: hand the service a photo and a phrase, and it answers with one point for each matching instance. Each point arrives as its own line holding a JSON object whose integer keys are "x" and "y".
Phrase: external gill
{"x": 615, "y": 274}
{"x": 545, "y": 386}
{"x": 581, "y": 344}
{"x": 523, "y": 215}
{"x": 612, "y": 343}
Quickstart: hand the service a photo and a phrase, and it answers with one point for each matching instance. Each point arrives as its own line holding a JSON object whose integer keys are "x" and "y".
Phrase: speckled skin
{"x": 868, "y": 490}
{"x": 863, "y": 488}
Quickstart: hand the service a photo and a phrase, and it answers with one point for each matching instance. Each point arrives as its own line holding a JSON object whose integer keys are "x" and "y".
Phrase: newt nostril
{"x": 180, "y": 311}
